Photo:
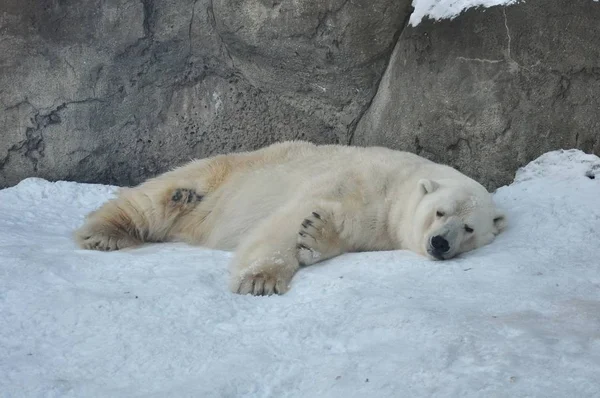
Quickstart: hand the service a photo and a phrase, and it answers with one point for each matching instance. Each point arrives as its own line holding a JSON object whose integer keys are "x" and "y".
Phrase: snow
{"x": 448, "y": 9}
{"x": 520, "y": 317}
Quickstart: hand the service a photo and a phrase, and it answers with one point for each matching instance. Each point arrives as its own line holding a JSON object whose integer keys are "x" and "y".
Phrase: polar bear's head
{"x": 453, "y": 217}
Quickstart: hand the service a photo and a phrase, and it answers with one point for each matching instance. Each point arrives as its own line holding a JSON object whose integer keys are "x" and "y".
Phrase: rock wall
{"x": 491, "y": 90}
{"x": 114, "y": 91}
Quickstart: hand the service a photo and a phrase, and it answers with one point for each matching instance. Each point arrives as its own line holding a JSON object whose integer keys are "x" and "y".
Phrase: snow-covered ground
{"x": 520, "y": 317}
{"x": 448, "y": 9}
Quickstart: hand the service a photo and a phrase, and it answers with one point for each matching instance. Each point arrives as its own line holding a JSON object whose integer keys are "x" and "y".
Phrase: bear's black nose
{"x": 440, "y": 244}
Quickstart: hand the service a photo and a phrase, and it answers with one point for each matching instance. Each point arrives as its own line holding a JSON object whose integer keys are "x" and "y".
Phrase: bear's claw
{"x": 315, "y": 235}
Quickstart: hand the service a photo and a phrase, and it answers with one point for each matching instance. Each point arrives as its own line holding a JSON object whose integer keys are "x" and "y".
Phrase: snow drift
{"x": 520, "y": 317}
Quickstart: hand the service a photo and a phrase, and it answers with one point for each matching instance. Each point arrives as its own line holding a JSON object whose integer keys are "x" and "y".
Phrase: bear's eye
{"x": 468, "y": 229}
{"x": 439, "y": 213}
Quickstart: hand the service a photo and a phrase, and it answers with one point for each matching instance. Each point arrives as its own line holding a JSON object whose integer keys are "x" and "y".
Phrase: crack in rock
{"x": 33, "y": 146}
{"x": 388, "y": 55}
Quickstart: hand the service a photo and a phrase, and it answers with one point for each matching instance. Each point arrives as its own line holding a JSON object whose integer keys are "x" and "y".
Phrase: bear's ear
{"x": 428, "y": 186}
{"x": 499, "y": 222}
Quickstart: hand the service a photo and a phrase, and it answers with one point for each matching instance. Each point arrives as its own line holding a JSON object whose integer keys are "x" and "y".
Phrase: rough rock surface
{"x": 114, "y": 91}
{"x": 491, "y": 90}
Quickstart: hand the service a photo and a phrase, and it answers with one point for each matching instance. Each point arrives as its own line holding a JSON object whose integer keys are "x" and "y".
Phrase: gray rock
{"x": 114, "y": 91}
{"x": 491, "y": 90}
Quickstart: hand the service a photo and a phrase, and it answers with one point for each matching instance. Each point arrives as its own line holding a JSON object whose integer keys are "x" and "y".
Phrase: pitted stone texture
{"x": 115, "y": 91}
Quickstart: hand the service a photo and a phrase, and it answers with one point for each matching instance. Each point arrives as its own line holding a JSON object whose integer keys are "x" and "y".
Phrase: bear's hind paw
{"x": 182, "y": 196}
{"x": 90, "y": 240}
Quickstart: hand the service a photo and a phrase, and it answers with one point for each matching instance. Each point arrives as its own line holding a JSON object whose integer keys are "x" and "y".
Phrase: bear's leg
{"x": 318, "y": 238}
{"x": 142, "y": 214}
{"x": 267, "y": 258}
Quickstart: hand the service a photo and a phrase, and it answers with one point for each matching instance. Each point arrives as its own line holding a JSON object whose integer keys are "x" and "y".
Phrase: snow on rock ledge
{"x": 448, "y": 9}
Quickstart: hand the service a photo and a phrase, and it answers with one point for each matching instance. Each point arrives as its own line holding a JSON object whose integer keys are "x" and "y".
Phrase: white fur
{"x": 297, "y": 202}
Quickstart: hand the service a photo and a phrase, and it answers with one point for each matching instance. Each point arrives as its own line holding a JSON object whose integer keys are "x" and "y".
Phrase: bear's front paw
{"x": 262, "y": 281}
{"x": 317, "y": 239}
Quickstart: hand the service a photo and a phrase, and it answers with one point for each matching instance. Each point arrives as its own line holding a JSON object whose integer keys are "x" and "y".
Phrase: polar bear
{"x": 296, "y": 203}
